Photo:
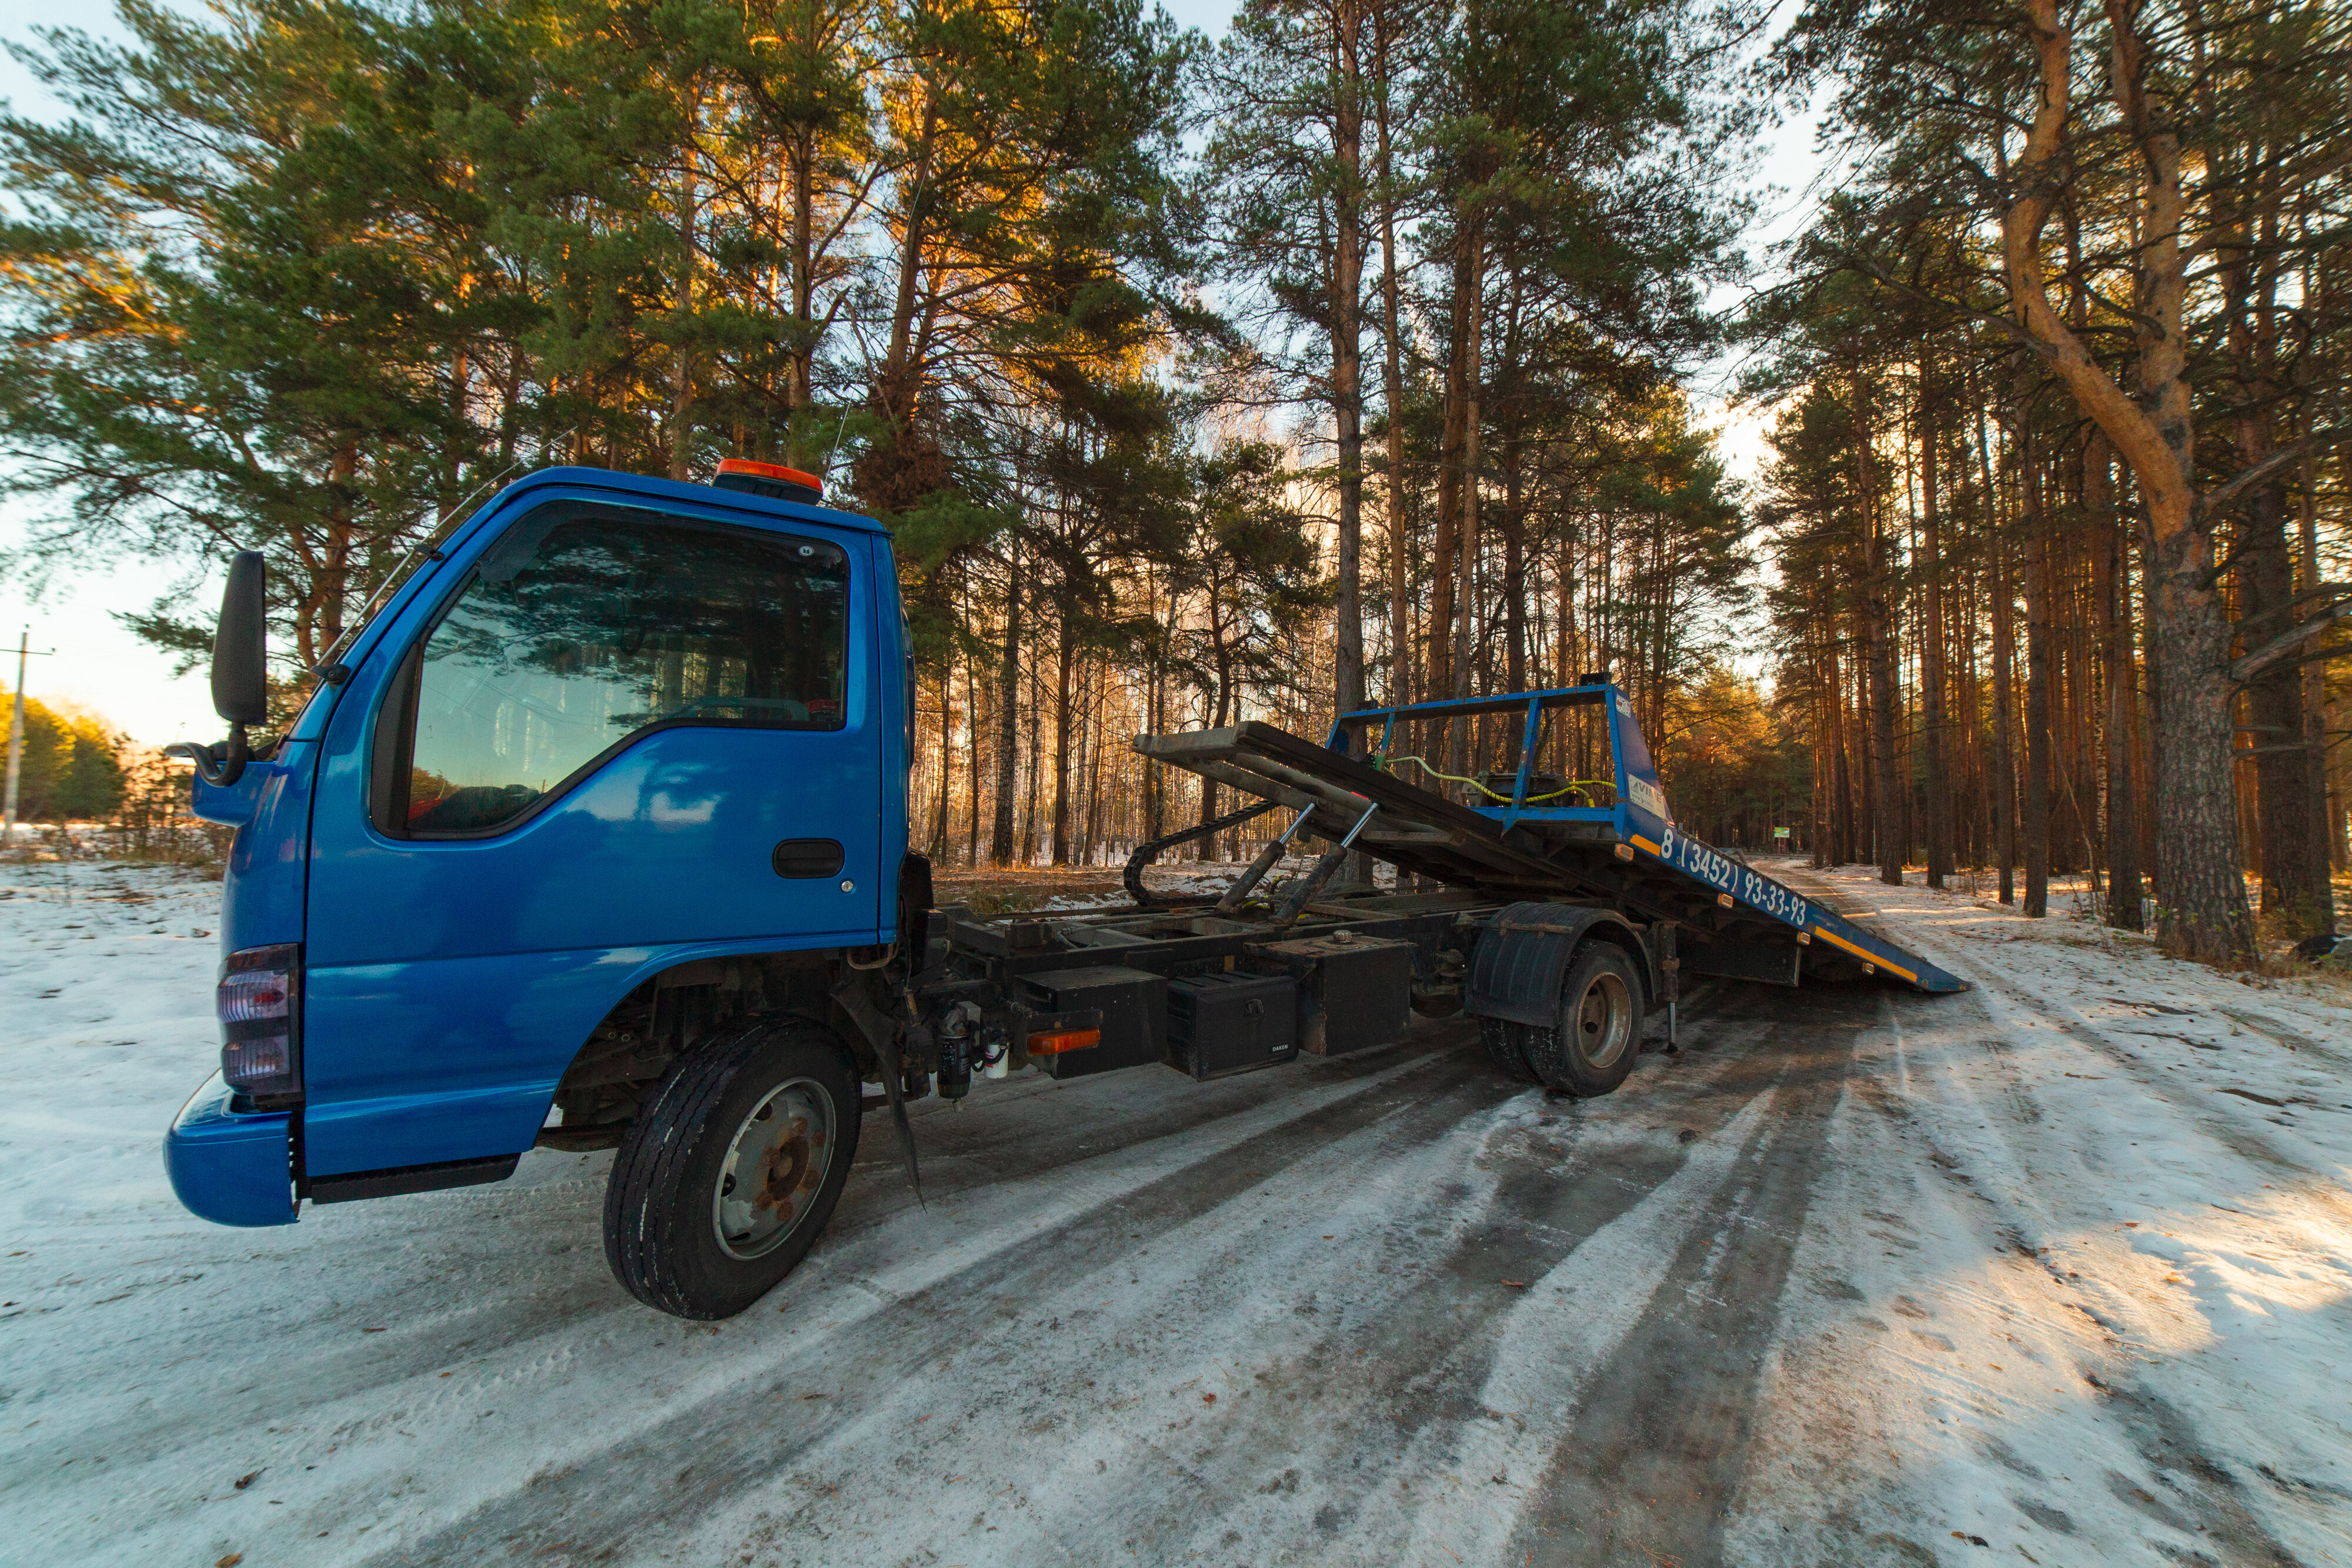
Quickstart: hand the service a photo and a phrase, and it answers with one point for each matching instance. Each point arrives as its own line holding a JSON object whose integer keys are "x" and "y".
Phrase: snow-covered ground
{"x": 2058, "y": 1269}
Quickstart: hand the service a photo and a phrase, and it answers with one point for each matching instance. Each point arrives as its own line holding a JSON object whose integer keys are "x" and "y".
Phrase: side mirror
{"x": 240, "y": 673}
{"x": 240, "y": 676}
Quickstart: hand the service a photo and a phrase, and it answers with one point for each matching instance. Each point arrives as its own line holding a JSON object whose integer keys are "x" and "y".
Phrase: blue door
{"x": 624, "y": 735}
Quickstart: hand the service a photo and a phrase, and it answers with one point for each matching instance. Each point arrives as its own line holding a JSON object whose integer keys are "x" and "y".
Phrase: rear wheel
{"x": 1591, "y": 1048}
{"x": 1502, "y": 1043}
{"x": 731, "y": 1170}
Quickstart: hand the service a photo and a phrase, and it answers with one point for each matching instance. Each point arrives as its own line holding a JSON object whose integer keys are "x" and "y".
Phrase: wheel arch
{"x": 669, "y": 1010}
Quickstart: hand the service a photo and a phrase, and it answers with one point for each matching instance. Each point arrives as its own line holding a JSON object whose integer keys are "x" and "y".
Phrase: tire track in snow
{"x": 2062, "y": 1015}
{"x": 2020, "y": 1195}
{"x": 512, "y": 1274}
{"x": 520, "y": 1336}
{"x": 1329, "y": 1357}
{"x": 1397, "y": 1385}
{"x": 2165, "y": 1439}
{"x": 1661, "y": 1437}
{"x": 738, "y": 1436}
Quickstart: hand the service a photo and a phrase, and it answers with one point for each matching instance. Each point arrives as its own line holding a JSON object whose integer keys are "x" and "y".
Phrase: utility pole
{"x": 16, "y": 733}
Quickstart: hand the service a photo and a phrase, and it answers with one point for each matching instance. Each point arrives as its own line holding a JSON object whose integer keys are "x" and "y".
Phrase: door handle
{"x": 803, "y": 858}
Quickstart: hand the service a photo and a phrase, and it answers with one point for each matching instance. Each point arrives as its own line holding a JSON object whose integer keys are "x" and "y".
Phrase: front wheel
{"x": 1591, "y": 1048}
{"x": 731, "y": 1170}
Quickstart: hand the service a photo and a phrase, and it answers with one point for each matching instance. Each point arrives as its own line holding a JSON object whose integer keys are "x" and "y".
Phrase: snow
{"x": 2060, "y": 1265}
{"x": 2161, "y": 1334}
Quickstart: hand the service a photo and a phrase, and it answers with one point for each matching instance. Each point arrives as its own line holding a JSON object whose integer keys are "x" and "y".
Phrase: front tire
{"x": 731, "y": 1168}
{"x": 1591, "y": 1048}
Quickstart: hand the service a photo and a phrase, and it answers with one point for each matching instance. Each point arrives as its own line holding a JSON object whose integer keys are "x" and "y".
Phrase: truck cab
{"x": 616, "y": 768}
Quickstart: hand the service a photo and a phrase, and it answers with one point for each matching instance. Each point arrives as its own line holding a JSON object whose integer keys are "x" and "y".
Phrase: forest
{"x": 70, "y": 765}
{"x": 1370, "y": 352}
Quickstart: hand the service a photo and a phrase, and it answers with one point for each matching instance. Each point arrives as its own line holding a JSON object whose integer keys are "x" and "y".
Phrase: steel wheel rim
{"x": 1604, "y": 1019}
{"x": 768, "y": 1181}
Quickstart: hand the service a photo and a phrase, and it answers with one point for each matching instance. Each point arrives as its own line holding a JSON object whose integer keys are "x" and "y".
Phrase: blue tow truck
{"x": 592, "y": 834}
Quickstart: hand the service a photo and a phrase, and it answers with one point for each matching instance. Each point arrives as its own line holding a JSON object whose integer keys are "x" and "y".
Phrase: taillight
{"x": 1063, "y": 1039}
{"x": 261, "y": 1004}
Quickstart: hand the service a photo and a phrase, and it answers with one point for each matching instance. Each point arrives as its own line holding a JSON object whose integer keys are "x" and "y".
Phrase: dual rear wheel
{"x": 1591, "y": 1048}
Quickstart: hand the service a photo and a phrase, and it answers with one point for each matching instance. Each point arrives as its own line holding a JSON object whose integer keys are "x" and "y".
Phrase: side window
{"x": 588, "y": 625}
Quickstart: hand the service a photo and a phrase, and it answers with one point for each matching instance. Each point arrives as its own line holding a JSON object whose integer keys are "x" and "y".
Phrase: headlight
{"x": 260, "y": 1005}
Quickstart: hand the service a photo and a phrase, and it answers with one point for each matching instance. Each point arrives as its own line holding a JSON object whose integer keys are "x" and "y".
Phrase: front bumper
{"x": 231, "y": 1166}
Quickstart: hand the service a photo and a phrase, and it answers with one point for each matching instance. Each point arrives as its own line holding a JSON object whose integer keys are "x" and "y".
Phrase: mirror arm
{"x": 219, "y": 765}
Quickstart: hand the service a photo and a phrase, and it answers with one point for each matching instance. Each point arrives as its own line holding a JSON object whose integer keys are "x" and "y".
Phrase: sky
{"x": 98, "y": 664}
{"x": 99, "y": 667}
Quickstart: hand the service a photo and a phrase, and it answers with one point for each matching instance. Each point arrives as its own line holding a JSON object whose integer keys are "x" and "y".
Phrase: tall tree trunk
{"x": 1008, "y": 712}
{"x": 1466, "y": 568}
{"x": 1450, "y": 469}
{"x": 1156, "y": 776}
{"x": 1817, "y": 825}
{"x": 1841, "y": 766}
{"x": 2037, "y": 675}
{"x": 2203, "y": 894}
{"x": 1392, "y": 368}
{"x": 939, "y": 836}
{"x": 2004, "y": 718}
{"x": 1931, "y": 644}
{"x": 1514, "y": 574}
{"x": 681, "y": 361}
{"x": 1878, "y": 637}
{"x": 2110, "y": 589}
{"x": 1510, "y": 419}
{"x": 2315, "y": 688}
{"x": 972, "y": 761}
{"x": 1034, "y": 777}
{"x": 2293, "y": 824}
{"x": 1865, "y": 754}
{"x": 1223, "y": 659}
{"x": 1346, "y": 352}
{"x": 1063, "y": 660}
{"x": 800, "y": 350}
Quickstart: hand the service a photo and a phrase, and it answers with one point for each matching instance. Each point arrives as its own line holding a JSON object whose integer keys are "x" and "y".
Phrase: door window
{"x": 588, "y": 625}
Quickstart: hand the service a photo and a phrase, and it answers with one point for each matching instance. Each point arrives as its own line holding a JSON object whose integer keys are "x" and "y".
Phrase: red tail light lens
{"x": 260, "y": 1006}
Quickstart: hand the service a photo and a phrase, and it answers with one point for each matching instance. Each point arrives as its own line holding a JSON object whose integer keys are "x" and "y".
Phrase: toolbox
{"x": 1134, "y": 1008}
{"x": 1354, "y": 992}
{"x": 1220, "y": 1024}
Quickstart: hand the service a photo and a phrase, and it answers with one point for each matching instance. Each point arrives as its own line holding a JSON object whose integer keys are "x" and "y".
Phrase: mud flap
{"x": 884, "y": 1038}
{"x": 1521, "y": 958}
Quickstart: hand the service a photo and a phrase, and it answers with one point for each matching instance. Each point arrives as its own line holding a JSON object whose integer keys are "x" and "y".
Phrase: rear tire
{"x": 731, "y": 1168}
{"x": 1592, "y": 1048}
{"x": 1502, "y": 1043}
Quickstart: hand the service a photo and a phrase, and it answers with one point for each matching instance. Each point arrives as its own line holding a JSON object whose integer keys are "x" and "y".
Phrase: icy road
{"x": 2054, "y": 1270}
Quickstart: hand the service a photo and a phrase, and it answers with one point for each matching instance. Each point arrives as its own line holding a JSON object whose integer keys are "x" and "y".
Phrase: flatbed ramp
{"x": 1627, "y": 855}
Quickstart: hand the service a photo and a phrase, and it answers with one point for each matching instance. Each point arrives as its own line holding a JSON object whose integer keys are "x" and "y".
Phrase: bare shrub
{"x": 153, "y": 823}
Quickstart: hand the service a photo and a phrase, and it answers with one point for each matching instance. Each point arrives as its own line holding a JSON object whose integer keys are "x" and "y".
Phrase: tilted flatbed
{"x": 1628, "y": 854}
